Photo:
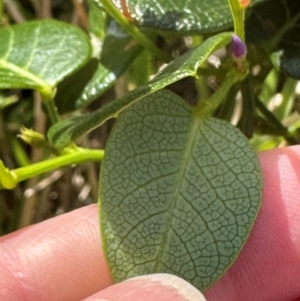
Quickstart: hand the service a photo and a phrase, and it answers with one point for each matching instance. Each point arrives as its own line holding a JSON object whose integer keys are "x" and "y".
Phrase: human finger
{"x": 58, "y": 259}
{"x": 68, "y": 263}
{"x": 158, "y": 287}
{"x": 268, "y": 268}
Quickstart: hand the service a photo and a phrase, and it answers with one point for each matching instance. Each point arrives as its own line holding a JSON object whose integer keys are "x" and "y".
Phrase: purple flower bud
{"x": 238, "y": 49}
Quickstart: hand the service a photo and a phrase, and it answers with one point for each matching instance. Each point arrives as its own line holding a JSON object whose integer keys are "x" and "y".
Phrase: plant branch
{"x": 79, "y": 156}
{"x": 207, "y": 107}
{"x": 282, "y": 130}
{"x": 238, "y": 15}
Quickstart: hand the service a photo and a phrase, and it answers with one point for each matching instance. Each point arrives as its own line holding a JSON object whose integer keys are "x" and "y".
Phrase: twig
{"x": 14, "y": 11}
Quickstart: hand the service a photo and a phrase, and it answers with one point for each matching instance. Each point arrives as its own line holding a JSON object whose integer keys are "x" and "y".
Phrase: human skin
{"x": 61, "y": 258}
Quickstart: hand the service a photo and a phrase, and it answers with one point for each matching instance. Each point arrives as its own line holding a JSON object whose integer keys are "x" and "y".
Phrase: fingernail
{"x": 171, "y": 285}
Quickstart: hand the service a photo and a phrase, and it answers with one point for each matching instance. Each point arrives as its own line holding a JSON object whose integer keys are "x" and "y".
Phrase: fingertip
{"x": 270, "y": 259}
{"x": 58, "y": 259}
{"x": 158, "y": 287}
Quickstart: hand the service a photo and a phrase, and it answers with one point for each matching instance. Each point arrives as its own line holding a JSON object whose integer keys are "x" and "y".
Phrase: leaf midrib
{"x": 193, "y": 131}
{"x": 25, "y": 74}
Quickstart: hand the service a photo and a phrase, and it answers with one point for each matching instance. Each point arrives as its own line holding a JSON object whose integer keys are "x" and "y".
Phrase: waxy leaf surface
{"x": 39, "y": 54}
{"x": 178, "y": 194}
{"x": 180, "y": 16}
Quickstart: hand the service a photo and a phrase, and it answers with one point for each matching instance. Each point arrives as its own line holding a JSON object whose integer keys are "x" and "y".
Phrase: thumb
{"x": 155, "y": 287}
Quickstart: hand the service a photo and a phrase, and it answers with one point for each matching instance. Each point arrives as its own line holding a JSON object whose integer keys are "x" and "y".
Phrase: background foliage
{"x": 65, "y": 189}
{"x": 270, "y": 95}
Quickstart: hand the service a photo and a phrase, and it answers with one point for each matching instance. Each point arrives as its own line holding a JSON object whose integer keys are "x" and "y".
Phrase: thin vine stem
{"x": 281, "y": 129}
{"x": 52, "y": 111}
{"x": 238, "y": 15}
{"x": 79, "y": 156}
{"x": 207, "y": 107}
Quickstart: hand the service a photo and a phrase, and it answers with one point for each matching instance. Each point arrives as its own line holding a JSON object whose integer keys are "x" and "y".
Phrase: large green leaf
{"x": 39, "y": 54}
{"x": 180, "y": 16}
{"x": 178, "y": 194}
{"x": 63, "y": 133}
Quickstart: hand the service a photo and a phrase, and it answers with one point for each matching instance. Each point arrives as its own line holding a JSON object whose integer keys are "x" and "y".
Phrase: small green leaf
{"x": 287, "y": 60}
{"x": 63, "y": 133}
{"x": 39, "y": 54}
{"x": 178, "y": 194}
{"x": 178, "y": 16}
{"x": 116, "y": 56}
{"x": 97, "y": 19}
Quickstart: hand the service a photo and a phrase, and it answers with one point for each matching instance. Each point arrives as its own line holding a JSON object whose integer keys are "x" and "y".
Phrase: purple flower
{"x": 238, "y": 49}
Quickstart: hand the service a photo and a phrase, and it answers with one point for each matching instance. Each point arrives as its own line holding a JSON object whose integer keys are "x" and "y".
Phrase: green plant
{"x": 180, "y": 186}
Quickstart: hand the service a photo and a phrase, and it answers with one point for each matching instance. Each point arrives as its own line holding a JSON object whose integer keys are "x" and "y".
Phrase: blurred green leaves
{"x": 66, "y": 131}
{"x": 40, "y": 54}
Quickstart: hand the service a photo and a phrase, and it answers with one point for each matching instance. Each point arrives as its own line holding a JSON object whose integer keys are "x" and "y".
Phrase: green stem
{"x": 114, "y": 12}
{"x": 79, "y": 156}
{"x": 246, "y": 122}
{"x": 227, "y": 108}
{"x": 288, "y": 95}
{"x": 207, "y": 107}
{"x": 52, "y": 111}
{"x": 19, "y": 153}
{"x": 142, "y": 68}
{"x": 280, "y": 129}
{"x": 201, "y": 80}
{"x": 238, "y": 15}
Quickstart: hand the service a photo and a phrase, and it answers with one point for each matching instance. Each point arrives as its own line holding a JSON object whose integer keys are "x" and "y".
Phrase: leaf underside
{"x": 178, "y": 194}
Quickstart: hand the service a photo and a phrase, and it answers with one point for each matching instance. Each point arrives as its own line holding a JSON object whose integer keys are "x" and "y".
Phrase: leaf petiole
{"x": 207, "y": 107}
{"x": 10, "y": 178}
{"x": 52, "y": 111}
{"x": 237, "y": 8}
